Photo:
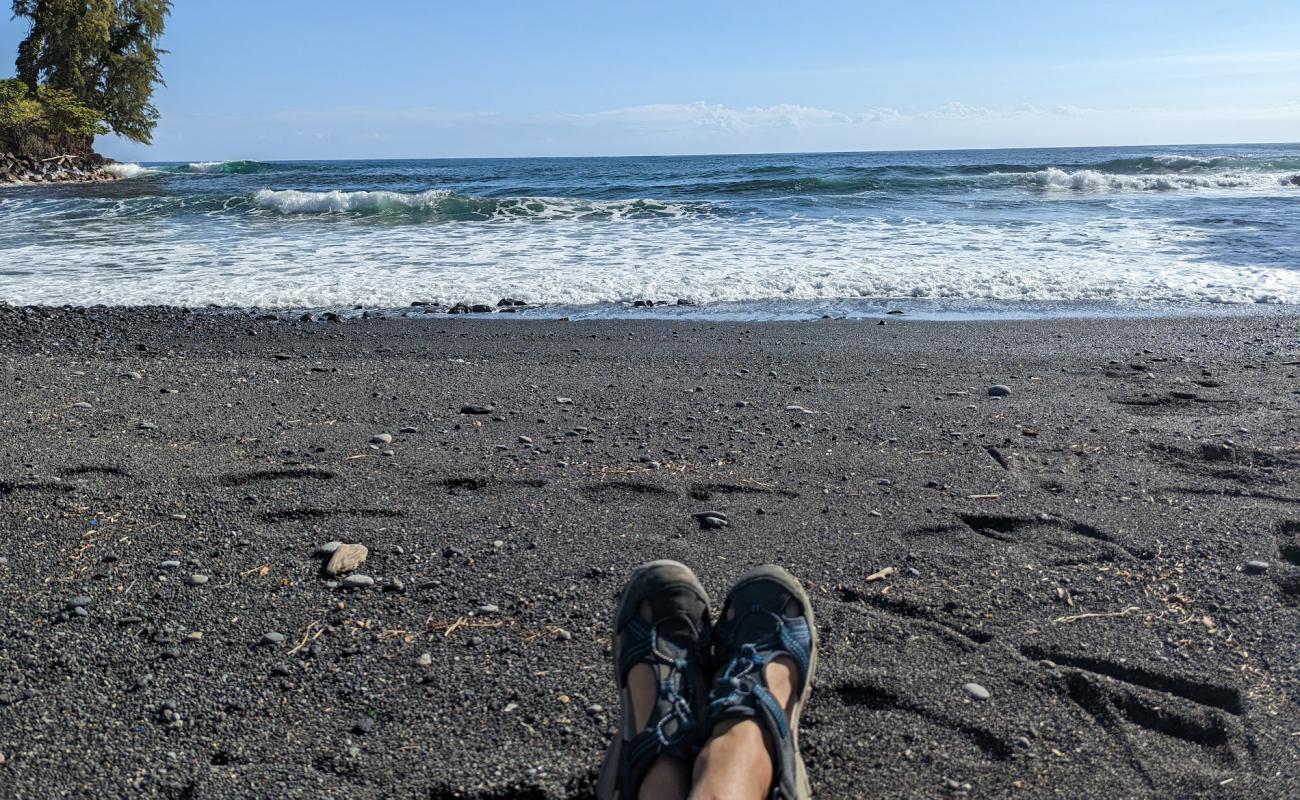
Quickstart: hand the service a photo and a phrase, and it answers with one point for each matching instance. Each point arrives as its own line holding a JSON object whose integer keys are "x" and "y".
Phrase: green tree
{"x": 48, "y": 122}
{"x": 102, "y": 51}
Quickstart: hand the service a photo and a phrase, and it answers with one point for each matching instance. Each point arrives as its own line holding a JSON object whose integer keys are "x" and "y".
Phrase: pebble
{"x": 998, "y": 390}
{"x": 472, "y": 409}
{"x": 328, "y": 548}
{"x": 425, "y": 660}
{"x": 346, "y": 558}
{"x": 976, "y": 691}
{"x": 363, "y": 726}
{"x": 510, "y": 707}
{"x": 79, "y": 601}
{"x": 798, "y": 409}
{"x": 1256, "y": 567}
{"x": 525, "y": 440}
{"x": 382, "y": 438}
{"x": 563, "y": 635}
{"x": 147, "y": 426}
{"x": 82, "y": 404}
{"x": 486, "y": 609}
{"x": 272, "y": 637}
{"x": 409, "y": 429}
{"x": 169, "y": 565}
{"x": 196, "y": 579}
{"x": 357, "y": 581}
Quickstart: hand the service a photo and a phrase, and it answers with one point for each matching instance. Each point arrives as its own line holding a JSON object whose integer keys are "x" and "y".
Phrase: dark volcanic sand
{"x": 1078, "y": 548}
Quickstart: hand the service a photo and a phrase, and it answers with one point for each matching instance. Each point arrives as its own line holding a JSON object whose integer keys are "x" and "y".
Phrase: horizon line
{"x": 735, "y": 154}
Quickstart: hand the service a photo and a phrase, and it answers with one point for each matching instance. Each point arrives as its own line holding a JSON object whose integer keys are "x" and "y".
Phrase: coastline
{"x": 1079, "y": 547}
{"x": 69, "y": 168}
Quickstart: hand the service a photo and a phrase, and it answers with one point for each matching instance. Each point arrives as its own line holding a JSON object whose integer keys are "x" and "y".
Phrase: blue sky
{"x": 281, "y": 79}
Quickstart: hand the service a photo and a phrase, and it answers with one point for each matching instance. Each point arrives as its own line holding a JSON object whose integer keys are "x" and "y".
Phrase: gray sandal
{"x": 675, "y": 645}
{"x": 744, "y": 646}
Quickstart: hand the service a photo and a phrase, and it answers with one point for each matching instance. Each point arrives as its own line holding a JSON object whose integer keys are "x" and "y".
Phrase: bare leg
{"x": 736, "y": 763}
{"x": 668, "y": 778}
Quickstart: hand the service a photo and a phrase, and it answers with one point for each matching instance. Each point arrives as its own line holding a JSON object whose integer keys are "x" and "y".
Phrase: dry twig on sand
{"x": 1094, "y": 615}
{"x": 308, "y": 635}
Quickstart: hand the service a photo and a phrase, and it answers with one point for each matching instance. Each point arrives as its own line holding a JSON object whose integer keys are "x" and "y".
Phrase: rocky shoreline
{"x": 244, "y": 555}
{"x": 68, "y": 168}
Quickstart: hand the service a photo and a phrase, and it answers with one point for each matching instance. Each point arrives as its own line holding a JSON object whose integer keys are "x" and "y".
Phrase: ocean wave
{"x": 441, "y": 204}
{"x": 226, "y": 167}
{"x": 1091, "y": 180}
{"x": 130, "y": 170}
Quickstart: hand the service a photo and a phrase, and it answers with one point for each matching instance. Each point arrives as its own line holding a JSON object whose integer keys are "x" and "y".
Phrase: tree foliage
{"x": 104, "y": 52}
{"x": 45, "y": 122}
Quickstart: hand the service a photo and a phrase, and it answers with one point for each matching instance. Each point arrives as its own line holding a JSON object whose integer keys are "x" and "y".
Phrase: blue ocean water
{"x": 1090, "y": 230}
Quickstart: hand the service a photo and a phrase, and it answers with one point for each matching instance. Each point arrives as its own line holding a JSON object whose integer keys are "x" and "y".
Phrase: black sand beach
{"x": 1080, "y": 548}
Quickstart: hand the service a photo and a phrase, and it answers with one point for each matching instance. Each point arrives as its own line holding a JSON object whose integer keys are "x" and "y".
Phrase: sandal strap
{"x": 741, "y": 691}
{"x": 673, "y": 727}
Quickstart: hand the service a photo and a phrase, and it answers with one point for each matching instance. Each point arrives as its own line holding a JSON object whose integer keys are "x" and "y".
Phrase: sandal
{"x": 674, "y": 646}
{"x": 744, "y": 646}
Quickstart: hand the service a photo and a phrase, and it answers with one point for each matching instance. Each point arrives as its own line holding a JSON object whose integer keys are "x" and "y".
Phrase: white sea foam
{"x": 1089, "y": 180}
{"x": 206, "y": 166}
{"x": 443, "y": 203}
{"x": 130, "y": 170}
{"x": 292, "y": 201}
{"x": 572, "y": 262}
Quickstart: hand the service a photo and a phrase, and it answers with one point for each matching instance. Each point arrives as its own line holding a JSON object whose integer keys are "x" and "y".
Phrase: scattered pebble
{"x": 346, "y": 558}
{"x": 976, "y": 691}
{"x": 328, "y": 548}
{"x": 196, "y": 579}
{"x": 382, "y": 438}
{"x": 425, "y": 660}
{"x": 357, "y": 581}
{"x": 486, "y": 609}
{"x": 472, "y": 409}
{"x": 272, "y": 637}
{"x": 1256, "y": 567}
{"x": 170, "y": 564}
{"x": 998, "y": 390}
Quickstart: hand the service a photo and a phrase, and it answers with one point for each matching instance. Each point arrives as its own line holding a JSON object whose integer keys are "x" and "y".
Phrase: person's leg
{"x": 736, "y": 763}
{"x": 661, "y": 636}
{"x": 669, "y": 778}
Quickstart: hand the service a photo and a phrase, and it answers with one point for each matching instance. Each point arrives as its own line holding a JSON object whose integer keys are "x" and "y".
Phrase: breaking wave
{"x": 441, "y": 204}
{"x": 130, "y": 170}
{"x": 226, "y": 167}
{"x": 1096, "y": 180}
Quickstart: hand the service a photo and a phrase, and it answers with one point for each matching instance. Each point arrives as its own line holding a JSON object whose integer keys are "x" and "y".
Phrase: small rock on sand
{"x": 357, "y": 581}
{"x": 346, "y": 558}
{"x": 328, "y": 549}
{"x": 998, "y": 390}
{"x": 1256, "y": 567}
{"x": 382, "y": 438}
{"x": 272, "y": 637}
{"x": 976, "y": 691}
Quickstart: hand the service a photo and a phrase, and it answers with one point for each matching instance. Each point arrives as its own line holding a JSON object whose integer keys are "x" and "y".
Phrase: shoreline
{"x": 18, "y": 170}
{"x": 683, "y": 310}
{"x": 1082, "y": 547}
